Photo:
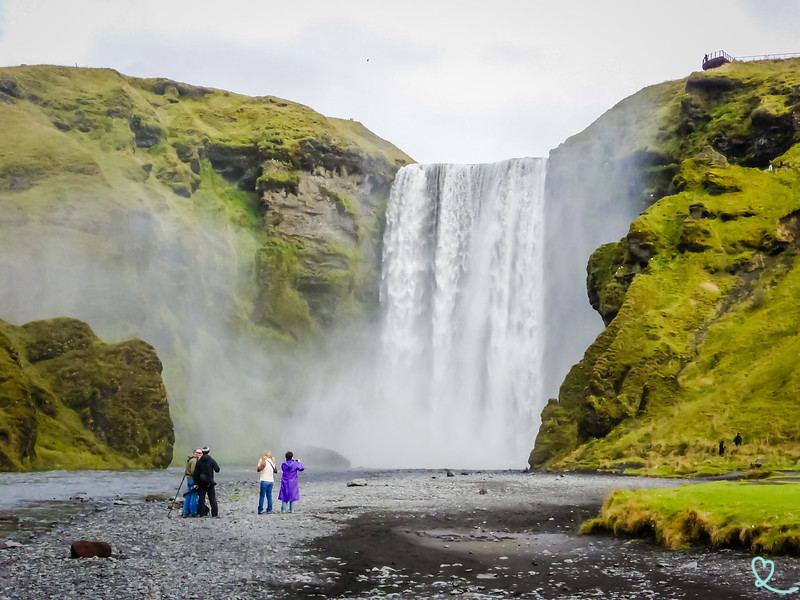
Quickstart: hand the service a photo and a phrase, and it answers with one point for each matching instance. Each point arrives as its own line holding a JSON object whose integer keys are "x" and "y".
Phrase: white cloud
{"x": 446, "y": 81}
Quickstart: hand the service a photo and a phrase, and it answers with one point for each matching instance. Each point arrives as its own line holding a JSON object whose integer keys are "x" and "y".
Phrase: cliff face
{"x": 67, "y": 400}
{"x": 701, "y": 337}
{"x": 228, "y": 231}
{"x": 310, "y": 189}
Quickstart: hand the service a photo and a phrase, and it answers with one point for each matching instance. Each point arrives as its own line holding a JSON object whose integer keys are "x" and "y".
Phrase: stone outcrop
{"x": 68, "y": 400}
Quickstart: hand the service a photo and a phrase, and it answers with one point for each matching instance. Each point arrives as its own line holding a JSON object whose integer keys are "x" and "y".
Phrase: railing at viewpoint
{"x": 719, "y": 58}
{"x": 767, "y": 57}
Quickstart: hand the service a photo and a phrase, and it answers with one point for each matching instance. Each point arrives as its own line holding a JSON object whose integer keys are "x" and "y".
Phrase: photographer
{"x": 290, "y": 487}
{"x": 204, "y": 481}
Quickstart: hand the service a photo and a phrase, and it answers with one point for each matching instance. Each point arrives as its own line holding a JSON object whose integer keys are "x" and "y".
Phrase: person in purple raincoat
{"x": 290, "y": 488}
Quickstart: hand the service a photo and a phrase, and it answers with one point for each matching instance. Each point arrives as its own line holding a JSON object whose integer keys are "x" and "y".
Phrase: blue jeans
{"x": 190, "y": 502}
{"x": 266, "y": 489}
{"x": 285, "y": 504}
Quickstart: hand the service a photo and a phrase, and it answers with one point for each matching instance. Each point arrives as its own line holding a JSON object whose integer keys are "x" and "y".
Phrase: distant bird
{"x": 367, "y": 60}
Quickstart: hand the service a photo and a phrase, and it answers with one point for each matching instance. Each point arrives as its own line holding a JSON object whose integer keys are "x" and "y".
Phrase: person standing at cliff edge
{"x": 204, "y": 480}
{"x": 267, "y": 470}
{"x": 290, "y": 487}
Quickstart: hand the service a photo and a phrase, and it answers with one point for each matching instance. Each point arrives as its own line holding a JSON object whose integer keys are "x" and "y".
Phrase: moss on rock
{"x": 67, "y": 400}
{"x": 701, "y": 339}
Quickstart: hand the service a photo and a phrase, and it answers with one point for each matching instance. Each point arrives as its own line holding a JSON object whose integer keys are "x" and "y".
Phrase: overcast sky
{"x": 445, "y": 81}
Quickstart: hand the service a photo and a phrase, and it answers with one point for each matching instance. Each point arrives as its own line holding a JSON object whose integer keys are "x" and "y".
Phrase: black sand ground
{"x": 412, "y": 534}
{"x": 517, "y": 552}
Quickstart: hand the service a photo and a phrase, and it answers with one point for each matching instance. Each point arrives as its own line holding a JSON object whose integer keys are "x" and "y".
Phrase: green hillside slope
{"x": 699, "y": 299}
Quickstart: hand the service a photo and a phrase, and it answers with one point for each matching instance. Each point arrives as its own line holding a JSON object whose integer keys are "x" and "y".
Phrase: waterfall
{"x": 456, "y": 377}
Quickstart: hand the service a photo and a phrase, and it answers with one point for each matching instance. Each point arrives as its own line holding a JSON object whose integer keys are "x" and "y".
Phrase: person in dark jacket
{"x": 738, "y": 439}
{"x": 204, "y": 481}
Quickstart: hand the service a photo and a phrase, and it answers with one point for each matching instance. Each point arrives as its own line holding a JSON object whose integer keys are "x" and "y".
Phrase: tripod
{"x": 180, "y": 485}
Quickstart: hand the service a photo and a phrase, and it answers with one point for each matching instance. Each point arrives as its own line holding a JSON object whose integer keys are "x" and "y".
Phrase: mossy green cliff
{"x": 67, "y": 400}
{"x": 228, "y": 231}
{"x": 312, "y": 188}
{"x": 702, "y": 333}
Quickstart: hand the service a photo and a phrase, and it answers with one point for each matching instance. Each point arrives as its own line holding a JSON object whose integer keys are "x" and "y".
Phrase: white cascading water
{"x": 457, "y": 378}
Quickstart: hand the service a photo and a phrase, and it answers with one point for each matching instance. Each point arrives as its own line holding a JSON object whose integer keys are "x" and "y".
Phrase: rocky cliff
{"x": 699, "y": 298}
{"x": 68, "y": 400}
{"x": 230, "y": 232}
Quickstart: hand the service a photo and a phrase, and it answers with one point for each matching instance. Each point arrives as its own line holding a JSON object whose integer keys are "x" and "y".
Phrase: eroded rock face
{"x": 108, "y": 396}
{"x": 146, "y": 134}
{"x": 331, "y": 225}
{"x": 712, "y": 84}
{"x": 322, "y": 205}
{"x": 751, "y": 133}
{"x": 238, "y": 164}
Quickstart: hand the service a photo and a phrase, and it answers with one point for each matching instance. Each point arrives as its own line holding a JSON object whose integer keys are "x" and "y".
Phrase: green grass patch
{"x": 762, "y": 516}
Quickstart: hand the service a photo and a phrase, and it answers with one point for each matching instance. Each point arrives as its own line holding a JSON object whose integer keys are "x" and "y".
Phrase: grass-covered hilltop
{"x": 67, "y": 400}
{"x": 700, "y": 299}
{"x": 227, "y": 231}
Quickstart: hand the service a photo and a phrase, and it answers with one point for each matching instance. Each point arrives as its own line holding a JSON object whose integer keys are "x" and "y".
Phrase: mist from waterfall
{"x": 449, "y": 375}
{"x": 455, "y": 379}
{"x": 167, "y": 275}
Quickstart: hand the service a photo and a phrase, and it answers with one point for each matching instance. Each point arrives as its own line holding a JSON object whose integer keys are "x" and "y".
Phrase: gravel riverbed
{"x": 409, "y": 534}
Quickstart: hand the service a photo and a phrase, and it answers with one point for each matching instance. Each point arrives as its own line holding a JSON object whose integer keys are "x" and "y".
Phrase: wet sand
{"x": 414, "y": 534}
{"x": 517, "y": 552}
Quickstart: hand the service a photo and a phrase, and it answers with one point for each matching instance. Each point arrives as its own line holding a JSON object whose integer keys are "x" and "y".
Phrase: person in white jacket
{"x": 266, "y": 469}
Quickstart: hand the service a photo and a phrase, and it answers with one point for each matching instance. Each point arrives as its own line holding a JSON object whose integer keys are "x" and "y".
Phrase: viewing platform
{"x": 719, "y": 58}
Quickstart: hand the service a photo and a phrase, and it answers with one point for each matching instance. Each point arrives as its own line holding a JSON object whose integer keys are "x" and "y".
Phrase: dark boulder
{"x": 86, "y": 549}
